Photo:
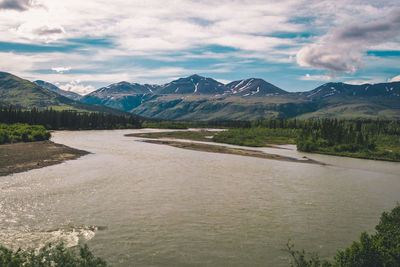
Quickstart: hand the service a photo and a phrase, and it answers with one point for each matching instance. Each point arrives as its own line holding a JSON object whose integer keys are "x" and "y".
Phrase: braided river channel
{"x": 143, "y": 204}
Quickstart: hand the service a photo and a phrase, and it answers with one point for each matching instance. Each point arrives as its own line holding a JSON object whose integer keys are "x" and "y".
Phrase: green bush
{"x": 50, "y": 256}
{"x": 12, "y": 133}
{"x": 381, "y": 249}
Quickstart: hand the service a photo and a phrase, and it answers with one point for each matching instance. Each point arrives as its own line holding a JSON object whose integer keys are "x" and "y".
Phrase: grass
{"x": 254, "y": 137}
{"x": 257, "y": 137}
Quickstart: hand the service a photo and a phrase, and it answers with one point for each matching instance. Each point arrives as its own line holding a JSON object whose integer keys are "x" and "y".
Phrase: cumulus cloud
{"x": 395, "y": 79}
{"x": 169, "y": 37}
{"x": 77, "y": 87}
{"x": 61, "y": 69}
{"x": 19, "y": 5}
{"x": 342, "y": 50}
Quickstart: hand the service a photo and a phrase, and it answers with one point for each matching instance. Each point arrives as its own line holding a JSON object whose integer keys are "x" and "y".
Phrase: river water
{"x": 142, "y": 204}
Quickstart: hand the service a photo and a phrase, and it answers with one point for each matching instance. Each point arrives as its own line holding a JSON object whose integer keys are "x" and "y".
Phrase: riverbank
{"x": 201, "y": 135}
{"x": 228, "y": 150}
{"x": 20, "y": 157}
{"x": 386, "y": 147}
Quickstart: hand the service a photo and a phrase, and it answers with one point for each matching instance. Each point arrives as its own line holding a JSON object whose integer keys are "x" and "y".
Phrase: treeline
{"x": 160, "y": 124}
{"x": 363, "y": 139}
{"x": 12, "y": 133}
{"x": 257, "y": 136}
{"x": 339, "y": 135}
{"x": 379, "y": 249}
{"x": 68, "y": 120}
{"x": 373, "y": 139}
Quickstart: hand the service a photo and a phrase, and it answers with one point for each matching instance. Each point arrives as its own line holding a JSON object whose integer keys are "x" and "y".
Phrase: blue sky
{"x": 294, "y": 44}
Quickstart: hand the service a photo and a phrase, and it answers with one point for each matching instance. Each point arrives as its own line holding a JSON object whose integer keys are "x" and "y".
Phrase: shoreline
{"x": 21, "y": 157}
{"x": 228, "y": 150}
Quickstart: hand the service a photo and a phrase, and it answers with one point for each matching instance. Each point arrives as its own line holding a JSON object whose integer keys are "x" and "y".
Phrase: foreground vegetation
{"x": 371, "y": 139}
{"x": 13, "y": 133}
{"x": 50, "y": 256}
{"x": 376, "y": 250}
{"x": 69, "y": 119}
{"x": 381, "y": 249}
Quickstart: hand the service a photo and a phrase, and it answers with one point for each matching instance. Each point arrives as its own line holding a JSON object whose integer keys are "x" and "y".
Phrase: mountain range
{"x": 27, "y": 95}
{"x": 201, "y": 98}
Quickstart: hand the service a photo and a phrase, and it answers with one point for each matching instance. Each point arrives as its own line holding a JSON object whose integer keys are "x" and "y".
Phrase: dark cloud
{"x": 19, "y": 5}
{"x": 46, "y": 30}
{"x": 343, "y": 49}
{"x": 371, "y": 32}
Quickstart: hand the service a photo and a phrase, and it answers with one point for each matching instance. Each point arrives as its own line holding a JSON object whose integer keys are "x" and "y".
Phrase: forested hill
{"x": 27, "y": 95}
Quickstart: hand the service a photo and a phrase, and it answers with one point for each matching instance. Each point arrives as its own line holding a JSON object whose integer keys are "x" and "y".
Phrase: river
{"x": 142, "y": 204}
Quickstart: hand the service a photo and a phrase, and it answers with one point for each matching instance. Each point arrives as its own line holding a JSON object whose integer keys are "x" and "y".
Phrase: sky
{"x": 297, "y": 45}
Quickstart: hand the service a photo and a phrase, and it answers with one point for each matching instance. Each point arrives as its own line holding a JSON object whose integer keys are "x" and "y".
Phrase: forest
{"x": 371, "y": 139}
{"x": 69, "y": 119}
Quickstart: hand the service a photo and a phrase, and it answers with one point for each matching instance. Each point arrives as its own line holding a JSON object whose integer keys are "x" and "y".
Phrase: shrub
{"x": 10, "y": 133}
{"x": 379, "y": 249}
{"x": 50, "y": 256}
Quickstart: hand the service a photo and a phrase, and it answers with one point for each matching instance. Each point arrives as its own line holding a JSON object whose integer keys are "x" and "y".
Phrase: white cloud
{"x": 157, "y": 29}
{"x": 395, "y": 79}
{"x": 77, "y": 87}
{"x": 342, "y": 49}
{"x": 61, "y": 69}
{"x": 223, "y": 81}
{"x": 41, "y": 31}
{"x": 309, "y": 77}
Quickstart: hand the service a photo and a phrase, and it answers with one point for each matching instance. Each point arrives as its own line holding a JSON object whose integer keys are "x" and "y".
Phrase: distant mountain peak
{"x": 195, "y": 76}
{"x": 253, "y": 87}
{"x": 54, "y": 88}
{"x": 194, "y": 84}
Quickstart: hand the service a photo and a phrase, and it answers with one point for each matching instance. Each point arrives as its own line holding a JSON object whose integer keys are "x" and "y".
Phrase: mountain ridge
{"x": 24, "y": 94}
{"x": 52, "y": 87}
{"x": 200, "y": 98}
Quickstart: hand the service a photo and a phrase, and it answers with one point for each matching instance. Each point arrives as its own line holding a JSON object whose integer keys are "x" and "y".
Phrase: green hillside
{"x": 283, "y": 106}
{"x": 27, "y": 95}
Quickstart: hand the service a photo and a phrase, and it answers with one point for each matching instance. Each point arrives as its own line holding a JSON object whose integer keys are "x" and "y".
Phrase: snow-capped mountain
{"x": 252, "y": 87}
{"x": 364, "y": 90}
{"x": 194, "y": 84}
